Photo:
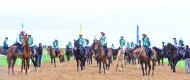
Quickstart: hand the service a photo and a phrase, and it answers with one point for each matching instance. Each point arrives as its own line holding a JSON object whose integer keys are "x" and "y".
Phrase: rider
{"x": 30, "y": 40}
{"x": 175, "y": 42}
{"x": 87, "y": 45}
{"x": 104, "y": 42}
{"x": 122, "y": 42}
{"x": 56, "y": 46}
{"x": 5, "y": 43}
{"x": 139, "y": 43}
{"x": 81, "y": 42}
{"x": 112, "y": 46}
{"x": 181, "y": 43}
{"x": 19, "y": 40}
{"x": 69, "y": 45}
{"x": 128, "y": 45}
{"x": 132, "y": 45}
{"x": 146, "y": 44}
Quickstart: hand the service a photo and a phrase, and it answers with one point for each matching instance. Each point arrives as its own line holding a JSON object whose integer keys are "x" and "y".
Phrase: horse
{"x": 34, "y": 55}
{"x": 26, "y": 54}
{"x": 120, "y": 58}
{"x": 100, "y": 54}
{"x": 51, "y": 51}
{"x": 3, "y": 51}
{"x": 140, "y": 53}
{"x": 115, "y": 52}
{"x": 129, "y": 56}
{"x": 69, "y": 53}
{"x": 173, "y": 56}
{"x": 79, "y": 54}
{"x": 88, "y": 55}
{"x": 109, "y": 58}
{"x": 160, "y": 55}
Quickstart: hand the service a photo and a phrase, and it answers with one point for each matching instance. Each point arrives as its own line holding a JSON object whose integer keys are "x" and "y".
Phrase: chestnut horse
{"x": 51, "y": 51}
{"x": 140, "y": 53}
{"x": 25, "y": 56}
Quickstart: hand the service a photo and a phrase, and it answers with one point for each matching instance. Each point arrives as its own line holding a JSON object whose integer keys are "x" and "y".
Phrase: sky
{"x": 47, "y": 20}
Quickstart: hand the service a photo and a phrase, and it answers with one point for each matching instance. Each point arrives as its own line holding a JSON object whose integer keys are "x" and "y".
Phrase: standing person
{"x": 56, "y": 46}
{"x": 5, "y": 44}
{"x": 122, "y": 42}
{"x": 40, "y": 52}
{"x": 104, "y": 42}
{"x": 146, "y": 44}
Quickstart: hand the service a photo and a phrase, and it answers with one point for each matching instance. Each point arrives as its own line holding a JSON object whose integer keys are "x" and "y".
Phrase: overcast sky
{"x": 46, "y": 20}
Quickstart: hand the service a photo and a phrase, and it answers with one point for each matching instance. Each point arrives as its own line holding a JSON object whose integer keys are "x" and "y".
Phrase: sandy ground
{"x": 68, "y": 72}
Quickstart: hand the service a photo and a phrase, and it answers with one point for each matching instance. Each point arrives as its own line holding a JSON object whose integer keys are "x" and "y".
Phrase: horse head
{"x": 170, "y": 47}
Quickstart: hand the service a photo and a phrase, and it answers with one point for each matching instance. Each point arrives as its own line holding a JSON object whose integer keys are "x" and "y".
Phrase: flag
{"x": 80, "y": 29}
{"x": 137, "y": 37}
{"x": 22, "y": 26}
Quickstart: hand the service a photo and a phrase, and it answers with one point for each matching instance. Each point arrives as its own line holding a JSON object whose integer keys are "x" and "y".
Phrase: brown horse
{"x": 109, "y": 58}
{"x": 26, "y": 54}
{"x": 12, "y": 56}
{"x": 100, "y": 54}
{"x": 143, "y": 58}
{"x": 51, "y": 51}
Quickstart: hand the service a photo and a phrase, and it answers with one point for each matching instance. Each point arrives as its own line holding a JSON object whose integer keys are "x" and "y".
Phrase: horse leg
{"x": 142, "y": 67}
{"x": 162, "y": 61}
{"x": 149, "y": 68}
{"x": 22, "y": 65}
{"x": 54, "y": 62}
{"x": 158, "y": 61}
{"x": 9, "y": 60}
{"x": 51, "y": 61}
{"x": 146, "y": 67}
{"x": 99, "y": 67}
{"x": 77, "y": 64}
{"x": 14, "y": 61}
{"x": 27, "y": 66}
{"x": 81, "y": 64}
{"x": 153, "y": 64}
{"x": 34, "y": 63}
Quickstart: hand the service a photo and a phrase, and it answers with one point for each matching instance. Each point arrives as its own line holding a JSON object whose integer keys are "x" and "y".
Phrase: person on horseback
{"x": 103, "y": 40}
{"x": 181, "y": 43}
{"x": 5, "y": 44}
{"x": 122, "y": 42}
{"x": 19, "y": 40}
{"x": 128, "y": 45}
{"x": 81, "y": 42}
{"x": 132, "y": 45}
{"x": 175, "y": 42}
{"x": 30, "y": 40}
{"x": 146, "y": 44}
{"x": 56, "y": 47}
{"x": 112, "y": 46}
{"x": 69, "y": 45}
{"x": 139, "y": 44}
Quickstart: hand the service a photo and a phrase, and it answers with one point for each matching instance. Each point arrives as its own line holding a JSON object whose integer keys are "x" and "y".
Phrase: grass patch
{"x": 180, "y": 64}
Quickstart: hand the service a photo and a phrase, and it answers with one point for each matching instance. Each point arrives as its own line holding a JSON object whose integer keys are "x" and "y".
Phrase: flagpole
{"x": 137, "y": 36}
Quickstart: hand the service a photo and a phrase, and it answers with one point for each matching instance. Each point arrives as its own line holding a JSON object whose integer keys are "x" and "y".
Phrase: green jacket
{"x": 19, "y": 39}
{"x": 146, "y": 42}
{"x": 87, "y": 44}
{"x": 128, "y": 45}
{"x": 122, "y": 42}
{"x": 69, "y": 45}
{"x": 30, "y": 40}
{"x": 103, "y": 41}
{"x": 181, "y": 44}
{"x": 55, "y": 44}
{"x": 81, "y": 42}
{"x": 5, "y": 43}
{"x": 132, "y": 46}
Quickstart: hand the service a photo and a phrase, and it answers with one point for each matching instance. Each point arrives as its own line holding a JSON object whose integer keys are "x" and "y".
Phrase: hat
{"x": 80, "y": 34}
{"x": 122, "y": 36}
{"x": 102, "y": 33}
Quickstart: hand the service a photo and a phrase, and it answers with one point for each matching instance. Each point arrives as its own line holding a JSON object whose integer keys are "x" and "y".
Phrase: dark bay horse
{"x": 80, "y": 55}
{"x": 100, "y": 54}
{"x": 160, "y": 55}
{"x": 173, "y": 56}
{"x": 3, "y": 51}
{"x": 51, "y": 51}
{"x": 88, "y": 55}
{"x": 69, "y": 52}
{"x": 129, "y": 56}
{"x": 34, "y": 55}
{"x": 140, "y": 53}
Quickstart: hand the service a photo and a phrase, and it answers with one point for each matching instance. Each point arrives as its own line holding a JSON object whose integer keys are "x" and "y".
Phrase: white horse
{"x": 120, "y": 58}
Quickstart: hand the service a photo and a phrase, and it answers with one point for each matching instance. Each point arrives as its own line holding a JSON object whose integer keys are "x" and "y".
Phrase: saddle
{"x": 148, "y": 52}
